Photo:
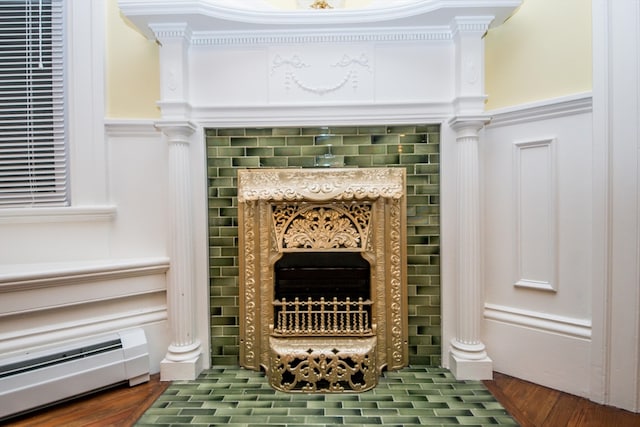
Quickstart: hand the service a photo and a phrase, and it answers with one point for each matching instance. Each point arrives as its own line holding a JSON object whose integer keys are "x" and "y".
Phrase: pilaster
{"x": 468, "y": 358}
{"x": 468, "y": 32}
{"x": 183, "y": 360}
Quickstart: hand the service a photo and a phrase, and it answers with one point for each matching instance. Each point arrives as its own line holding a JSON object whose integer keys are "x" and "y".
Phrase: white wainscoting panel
{"x": 535, "y": 199}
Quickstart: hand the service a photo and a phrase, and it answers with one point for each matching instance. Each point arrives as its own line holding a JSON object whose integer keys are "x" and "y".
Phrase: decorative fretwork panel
{"x": 322, "y": 227}
{"x": 323, "y": 365}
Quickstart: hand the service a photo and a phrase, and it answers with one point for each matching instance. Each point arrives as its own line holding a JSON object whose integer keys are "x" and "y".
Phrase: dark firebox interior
{"x": 330, "y": 275}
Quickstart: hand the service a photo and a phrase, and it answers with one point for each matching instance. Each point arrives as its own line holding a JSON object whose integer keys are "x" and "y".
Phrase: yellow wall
{"x": 543, "y": 51}
{"x": 132, "y": 69}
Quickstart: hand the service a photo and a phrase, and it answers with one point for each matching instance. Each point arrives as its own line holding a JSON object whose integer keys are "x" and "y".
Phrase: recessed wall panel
{"x": 535, "y": 198}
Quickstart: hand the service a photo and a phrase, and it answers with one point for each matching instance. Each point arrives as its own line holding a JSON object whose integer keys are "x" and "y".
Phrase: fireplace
{"x": 245, "y": 65}
{"x": 323, "y": 276}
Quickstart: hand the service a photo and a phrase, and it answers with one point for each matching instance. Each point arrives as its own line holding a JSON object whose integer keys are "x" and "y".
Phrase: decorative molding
{"x": 291, "y": 77}
{"x": 546, "y": 280}
{"x": 293, "y": 62}
{"x": 132, "y": 128}
{"x": 39, "y": 276}
{"x": 581, "y": 103}
{"x": 470, "y": 24}
{"x": 314, "y": 114}
{"x": 321, "y": 227}
{"x": 59, "y": 332}
{"x": 542, "y": 322}
{"x": 270, "y": 38}
{"x": 247, "y": 16}
{"x": 171, "y": 31}
{"x": 58, "y": 214}
{"x": 320, "y": 184}
{"x": 177, "y": 131}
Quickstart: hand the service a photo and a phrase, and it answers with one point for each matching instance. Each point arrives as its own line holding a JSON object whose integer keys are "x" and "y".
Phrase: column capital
{"x": 469, "y": 123}
{"x": 177, "y": 130}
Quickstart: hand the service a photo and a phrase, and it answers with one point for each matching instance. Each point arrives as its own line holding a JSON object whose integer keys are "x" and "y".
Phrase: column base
{"x": 466, "y": 369}
{"x": 187, "y": 370}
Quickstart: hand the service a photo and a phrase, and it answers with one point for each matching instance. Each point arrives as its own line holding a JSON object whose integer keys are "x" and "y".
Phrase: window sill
{"x": 57, "y": 214}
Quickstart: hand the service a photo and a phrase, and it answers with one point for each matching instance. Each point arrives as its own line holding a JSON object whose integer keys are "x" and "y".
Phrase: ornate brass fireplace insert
{"x": 322, "y": 276}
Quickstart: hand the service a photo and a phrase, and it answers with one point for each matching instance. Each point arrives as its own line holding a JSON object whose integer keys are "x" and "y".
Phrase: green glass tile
{"x": 273, "y": 141}
{"x": 171, "y": 419}
{"x": 426, "y": 148}
{"x": 343, "y": 130}
{"x": 231, "y": 151}
{"x": 356, "y": 140}
{"x": 305, "y": 162}
{"x": 231, "y": 132}
{"x": 372, "y": 130}
{"x": 294, "y": 141}
{"x": 345, "y": 150}
{"x": 287, "y": 151}
{"x": 285, "y": 420}
{"x": 261, "y": 151}
{"x": 425, "y": 169}
{"x": 362, "y": 420}
{"x": 324, "y": 140}
{"x": 213, "y": 141}
{"x": 411, "y": 139}
{"x": 248, "y": 162}
{"x": 305, "y": 412}
{"x": 314, "y": 150}
{"x": 361, "y": 161}
{"x": 386, "y": 160}
{"x": 244, "y": 142}
{"x": 323, "y": 130}
{"x": 438, "y": 421}
{"x": 258, "y": 131}
{"x": 400, "y": 149}
{"x": 218, "y": 162}
{"x": 372, "y": 149}
{"x": 385, "y": 139}
{"x": 287, "y": 131}
{"x": 342, "y": 412}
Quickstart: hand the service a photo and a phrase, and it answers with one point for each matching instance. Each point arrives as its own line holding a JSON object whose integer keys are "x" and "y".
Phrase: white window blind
{"x": 33, "y": 158}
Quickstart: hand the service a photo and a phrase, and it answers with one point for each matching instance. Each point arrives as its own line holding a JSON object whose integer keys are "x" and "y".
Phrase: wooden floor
{"x": 536, "y": 406}
{"x": 529, "y": 404}
{"x": 117, "y": 407}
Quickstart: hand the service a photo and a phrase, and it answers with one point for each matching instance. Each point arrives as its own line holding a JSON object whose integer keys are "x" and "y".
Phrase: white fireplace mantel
{"x": 229, "y": 63}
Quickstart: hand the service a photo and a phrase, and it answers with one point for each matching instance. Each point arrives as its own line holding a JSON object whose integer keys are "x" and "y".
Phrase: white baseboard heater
{"x": 43, "y": 377}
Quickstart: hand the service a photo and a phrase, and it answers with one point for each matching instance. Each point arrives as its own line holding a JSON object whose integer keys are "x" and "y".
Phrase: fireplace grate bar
{"x": 323, "y": 318}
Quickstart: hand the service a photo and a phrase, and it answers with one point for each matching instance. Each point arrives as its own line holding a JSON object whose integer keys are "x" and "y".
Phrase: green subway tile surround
{"x": 413, "y": 147}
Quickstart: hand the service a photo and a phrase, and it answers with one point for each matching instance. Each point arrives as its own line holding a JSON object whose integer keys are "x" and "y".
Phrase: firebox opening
{"x": 322, "y": 294}
{"x": 325, "y": 275}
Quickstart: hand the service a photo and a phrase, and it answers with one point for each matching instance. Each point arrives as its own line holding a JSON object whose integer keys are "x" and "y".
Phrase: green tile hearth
{"x": 416, "y": 395}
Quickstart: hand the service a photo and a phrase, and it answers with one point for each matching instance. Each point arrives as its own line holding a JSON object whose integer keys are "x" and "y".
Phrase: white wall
{"x": 98, "y": 265}
{"x": 84, "y": 271}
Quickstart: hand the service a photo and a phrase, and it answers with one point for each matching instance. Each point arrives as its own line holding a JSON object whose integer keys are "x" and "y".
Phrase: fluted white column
{"x": 183, "y": 360}
{"x": 468, "y": 358}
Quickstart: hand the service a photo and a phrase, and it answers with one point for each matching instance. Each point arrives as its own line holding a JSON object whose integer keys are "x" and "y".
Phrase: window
{"x": 33, "y": 158}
